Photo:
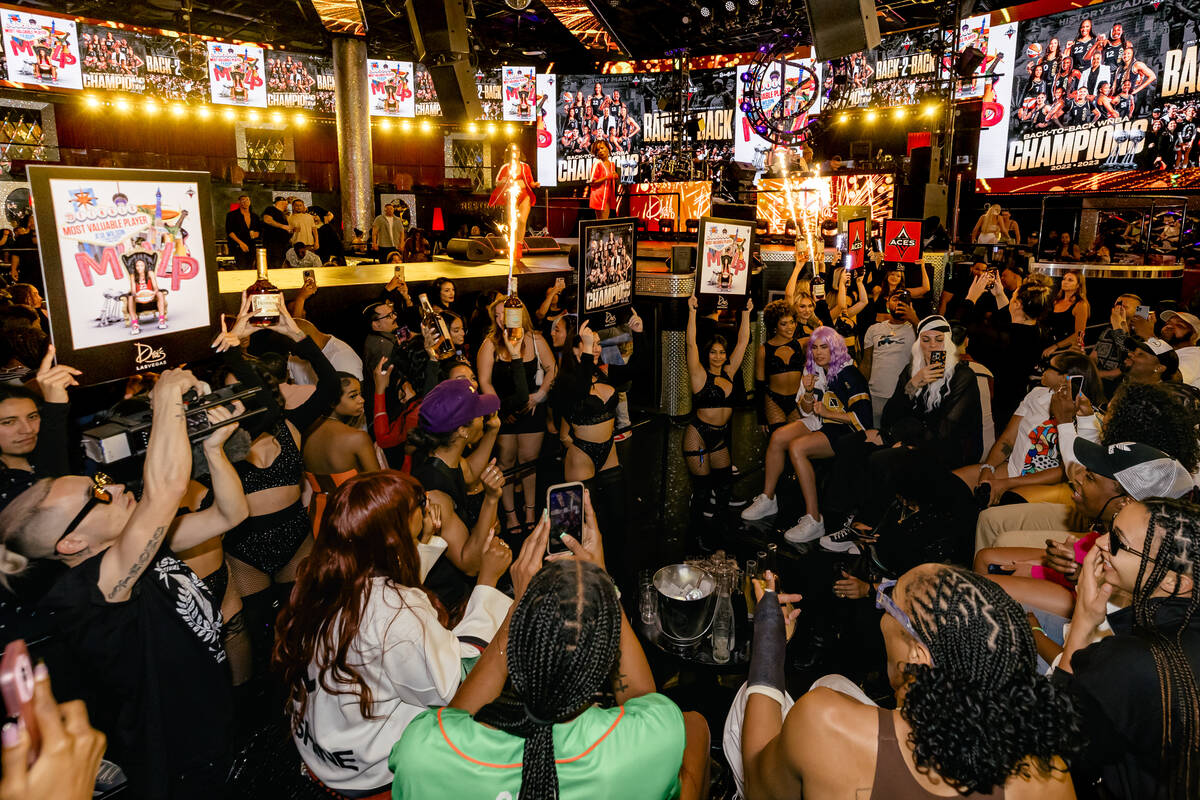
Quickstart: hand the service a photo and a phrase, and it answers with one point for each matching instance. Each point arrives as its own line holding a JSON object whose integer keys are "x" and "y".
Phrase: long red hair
{"x": 363, "y": 535}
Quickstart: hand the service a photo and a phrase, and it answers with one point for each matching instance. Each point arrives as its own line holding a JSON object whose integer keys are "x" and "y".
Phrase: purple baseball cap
{"x": 452, "y": 404}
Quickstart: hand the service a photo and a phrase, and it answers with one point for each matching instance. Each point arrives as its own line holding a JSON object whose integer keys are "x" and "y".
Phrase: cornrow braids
{"x": 1175, "y": 525}
{"x": 563, "y": 644}
{"x": 980, "y": 713}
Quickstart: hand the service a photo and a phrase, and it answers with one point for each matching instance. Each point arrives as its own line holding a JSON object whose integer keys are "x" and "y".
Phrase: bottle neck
{"x": 260, "y": 264}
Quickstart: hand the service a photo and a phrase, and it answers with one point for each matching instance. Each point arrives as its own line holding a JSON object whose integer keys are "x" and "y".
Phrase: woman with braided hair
{"x": 972, "y": 714}
{"x": 525, "y": 722}
{"x": 1137, "y": 689}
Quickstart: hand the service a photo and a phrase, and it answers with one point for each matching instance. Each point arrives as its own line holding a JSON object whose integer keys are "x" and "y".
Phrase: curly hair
{"x": 839, "y": 356}
{"x": 980, "y": 713}
{"x": 1034, "y": 298}
{"x": 1156, "y": 415}
{"x": 774, "y": 312}
{"x": 563, "y": 647}
{"x": 1175, "y": 524}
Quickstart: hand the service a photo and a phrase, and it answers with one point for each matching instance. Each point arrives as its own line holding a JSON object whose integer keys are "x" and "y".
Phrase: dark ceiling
{"x": 646, "y": 28}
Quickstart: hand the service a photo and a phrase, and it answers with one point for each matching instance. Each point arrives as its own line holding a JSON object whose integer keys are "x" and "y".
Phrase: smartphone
{"x": 309, "y": 275}
{"x": 877, "y": 244}
{"x": 937, "y": 357}
{"x": 400, "y": 271}
{"x": 16, "y": 684}
{"x": 997, "y": 569}
{"x": 565, "y": 502}
{"x": 1076, "y": 382}
{"x": 992, "y": 276}
{"x": 1143, "y": 312}
{"x": 906, "y": 297}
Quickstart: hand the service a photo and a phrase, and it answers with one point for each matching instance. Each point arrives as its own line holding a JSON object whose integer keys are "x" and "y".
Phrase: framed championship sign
{"x": 128, "y": 261}
{"x": 607, "y": 249}
{"x": 902, "y": 240}
{"x": 723, "y": 260}
{"x": 856, "y": 242}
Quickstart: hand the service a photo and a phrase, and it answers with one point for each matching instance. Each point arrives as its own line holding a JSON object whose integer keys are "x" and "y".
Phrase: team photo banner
{"x": 1107, "y": 88}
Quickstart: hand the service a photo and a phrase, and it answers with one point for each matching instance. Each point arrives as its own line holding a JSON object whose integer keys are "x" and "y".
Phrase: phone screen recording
{"x": 565, "y": 502}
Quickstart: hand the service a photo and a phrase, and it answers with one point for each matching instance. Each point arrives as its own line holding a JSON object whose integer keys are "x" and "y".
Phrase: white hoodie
{"x": 410, "y": 662}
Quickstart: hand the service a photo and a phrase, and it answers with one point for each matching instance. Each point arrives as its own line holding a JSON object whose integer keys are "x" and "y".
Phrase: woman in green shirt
{"x": 524, "y": 722}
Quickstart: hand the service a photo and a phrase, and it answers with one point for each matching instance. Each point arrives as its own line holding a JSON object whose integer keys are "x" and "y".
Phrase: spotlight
{"x": 204, "y": 112}
{"x": 491, "y": 128}
{"x": 178, "y": 110}
{"x": 747, "y": 77}
{"x": 92, "y": 101}
{"x": 230, "y": 114}
{"x": 705, "y": 12}
{"x": 872, "y": 115}
{"x": 899, "y": 113}
{"x": 930, "y": 109}
{"x": 252, "y": 115}
{"x": 151, "y": 106}
{"x": 472, "y": 127}
{"x": 508, "y": 130}
{"x": 425, "y": 126}
{"x": 754, "y": 3}
{"x": 685, "y": 19}
{"x": 277, "y": 117}
{"x": 405, "y": 126}
{"x": 729, "y": 6}
{"x": 385, "y": 124}
{"x": 844, "y": 118}
{"x": 300, "y": 119}
{"x": 122, "y": 104}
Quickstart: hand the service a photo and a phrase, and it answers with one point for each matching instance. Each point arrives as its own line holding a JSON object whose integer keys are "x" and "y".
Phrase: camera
{"x": 127, "y": 433}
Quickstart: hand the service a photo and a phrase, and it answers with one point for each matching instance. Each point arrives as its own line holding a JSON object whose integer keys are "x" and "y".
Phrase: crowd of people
{"x": 358, "y": 546}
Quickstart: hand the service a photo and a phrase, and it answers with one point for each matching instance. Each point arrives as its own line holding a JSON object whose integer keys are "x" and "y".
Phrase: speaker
{"x": 969, "y": 61}
{"x": 497, "y": 243}
{"x": 540, "y": 244}
{"x": 454, "y": 80}
{"x": 842, "y": 27}
{"x": 469, "y": 250}
{"x": 683, "y": 259}
{"x": 919, "y": 162}
{"x": 438, "y": 27}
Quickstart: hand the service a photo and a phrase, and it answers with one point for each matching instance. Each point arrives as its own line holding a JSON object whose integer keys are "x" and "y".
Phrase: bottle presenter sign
{"x": 130, "y": 276}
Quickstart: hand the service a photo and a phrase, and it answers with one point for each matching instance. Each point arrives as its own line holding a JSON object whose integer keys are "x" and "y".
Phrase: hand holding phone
{"x": 17, "y": 685}
{"x": 565, "y": 504}
{"x": 938, "y": 358}
{"x": 1076, "y": 385}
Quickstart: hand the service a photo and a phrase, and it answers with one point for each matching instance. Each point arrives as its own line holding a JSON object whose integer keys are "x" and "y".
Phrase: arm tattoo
{"x": 619, "y": 684}
{"x": 1006, "y": 449}
{"x": 140, "y": 565}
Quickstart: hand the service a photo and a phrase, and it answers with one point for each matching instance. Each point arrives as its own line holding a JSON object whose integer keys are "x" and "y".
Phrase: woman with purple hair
{"x": 834, "y": 402}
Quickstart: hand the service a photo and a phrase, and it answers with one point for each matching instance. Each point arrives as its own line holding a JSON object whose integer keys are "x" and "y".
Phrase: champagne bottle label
{"x": 264, "y": 305}
{"x": 513, "y": 318}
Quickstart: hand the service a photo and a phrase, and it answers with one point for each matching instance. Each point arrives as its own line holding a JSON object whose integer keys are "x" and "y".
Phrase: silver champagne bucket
{"x": 682, "y": 619}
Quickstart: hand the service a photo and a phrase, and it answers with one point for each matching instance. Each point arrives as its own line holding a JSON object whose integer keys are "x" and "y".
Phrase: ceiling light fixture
{"x": 705, "y": 12}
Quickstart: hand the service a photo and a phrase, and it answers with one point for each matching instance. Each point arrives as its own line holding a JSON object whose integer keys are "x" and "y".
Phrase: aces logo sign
{"x": 902, "y": 240}
{"x": 856, "y": 242}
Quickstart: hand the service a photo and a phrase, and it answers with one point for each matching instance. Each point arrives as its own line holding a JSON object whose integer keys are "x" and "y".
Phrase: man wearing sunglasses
{"x": 133, "y": 619}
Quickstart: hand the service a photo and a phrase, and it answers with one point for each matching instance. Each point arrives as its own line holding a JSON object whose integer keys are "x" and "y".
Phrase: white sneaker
{"x": 806, "y": 530}
{"x": 762, "y": 506}
{"x": 843, "y": 540}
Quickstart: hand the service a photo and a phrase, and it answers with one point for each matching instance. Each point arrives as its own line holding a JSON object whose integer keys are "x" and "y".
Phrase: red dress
{"x": 603, "y": 192}
{"x": 524, "y": 180}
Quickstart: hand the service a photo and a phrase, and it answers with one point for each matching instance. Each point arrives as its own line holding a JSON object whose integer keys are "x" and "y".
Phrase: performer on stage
{"x": 602, "y": 189}
{"x": 523, "y": 175}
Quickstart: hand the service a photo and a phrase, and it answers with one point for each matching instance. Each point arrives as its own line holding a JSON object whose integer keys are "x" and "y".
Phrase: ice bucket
{"x": 685, "y": 620}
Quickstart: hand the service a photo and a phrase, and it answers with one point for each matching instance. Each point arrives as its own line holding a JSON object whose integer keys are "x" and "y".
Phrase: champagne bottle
{"x": 265, "y": 298}
{"x": 514, "y": 313}
{"x": 433, "y": 321}
{"x": 817, "y": 284}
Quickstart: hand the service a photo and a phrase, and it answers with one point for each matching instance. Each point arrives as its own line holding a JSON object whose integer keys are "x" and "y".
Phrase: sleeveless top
{"x": 774, "y": 365}
{"x": 286, "y": 470}
{"x": 444, "y": 579}
{"x": 893, "y": 779}
{"x": 1062, "y": 323}
{"x": 712, "y": 395}
{"x": 591, "y": 410}
{"x": 502, "y": 376}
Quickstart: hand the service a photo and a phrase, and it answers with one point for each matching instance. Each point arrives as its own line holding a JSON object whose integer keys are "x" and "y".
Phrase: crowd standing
{"x": 358, "y": 549}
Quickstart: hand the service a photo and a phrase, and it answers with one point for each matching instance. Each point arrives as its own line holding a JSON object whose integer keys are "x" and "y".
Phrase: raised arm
{"x": 743, "y": 339}
{"x": 229, "y": 506}
{"x": 165, "y": 479}
{"x": 474, "y": 464}
{"x": 695, "y": 369}
{"x": 51, "y": 457}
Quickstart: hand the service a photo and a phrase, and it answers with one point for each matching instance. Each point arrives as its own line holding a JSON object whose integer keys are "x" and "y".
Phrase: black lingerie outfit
{"x": 584, "y": 408}
{"x": 774, "y": 365}
{"x": 267, "y": 542}
{"x": 513, "y": 387}
{"x": 715, "y": 437}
